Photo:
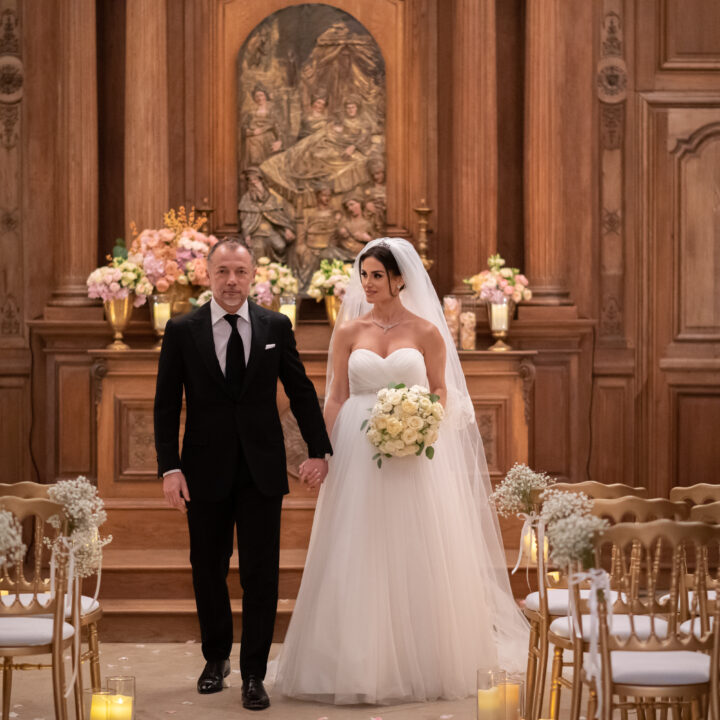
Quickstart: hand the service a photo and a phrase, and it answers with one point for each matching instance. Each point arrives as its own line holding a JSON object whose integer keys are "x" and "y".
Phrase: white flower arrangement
{"x": 118, "y": 279}
{"x": 558, "y": 504}
{"x": 204, "y": 297}
{"x": 331, "y": 279}
{"x": 572, "y": 539}
{"x": 404, "y": 421}
{"x": 12, "y": 548}
{"x": 272, "y": 278}
{"x": 515, "y": 493}
{"x": 85, "y": 512}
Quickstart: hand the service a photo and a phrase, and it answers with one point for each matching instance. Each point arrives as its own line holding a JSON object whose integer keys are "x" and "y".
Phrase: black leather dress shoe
{"x": 211, "y": 678}
{"x": 254, "y": 696}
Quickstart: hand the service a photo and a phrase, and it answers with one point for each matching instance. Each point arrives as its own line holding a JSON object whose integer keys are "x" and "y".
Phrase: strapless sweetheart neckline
{"x": 390, "y": 354}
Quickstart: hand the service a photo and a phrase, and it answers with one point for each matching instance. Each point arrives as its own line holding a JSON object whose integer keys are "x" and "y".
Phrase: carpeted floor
{"x": 166, "y": 674}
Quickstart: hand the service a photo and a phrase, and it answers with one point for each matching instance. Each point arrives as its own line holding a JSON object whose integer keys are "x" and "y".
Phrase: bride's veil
{"x": 461, "y": 438}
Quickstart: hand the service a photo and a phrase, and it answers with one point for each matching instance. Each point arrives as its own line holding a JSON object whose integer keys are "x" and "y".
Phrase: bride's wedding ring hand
{"x": 313, "y": 471}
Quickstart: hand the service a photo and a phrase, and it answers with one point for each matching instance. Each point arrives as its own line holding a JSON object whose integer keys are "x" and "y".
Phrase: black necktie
{"x": 235, "y": 358}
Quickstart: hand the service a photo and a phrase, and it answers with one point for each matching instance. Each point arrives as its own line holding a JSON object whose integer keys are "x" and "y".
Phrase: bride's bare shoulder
{"x": 348, "y": 331}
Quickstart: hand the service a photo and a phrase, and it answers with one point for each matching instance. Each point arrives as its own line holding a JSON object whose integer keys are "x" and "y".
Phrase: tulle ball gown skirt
{"x": 393, "y": 601}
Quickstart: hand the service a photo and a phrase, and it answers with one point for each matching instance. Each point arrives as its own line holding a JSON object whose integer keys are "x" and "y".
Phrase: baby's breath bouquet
{"x": 85, "y": 512}
{"x": 558, "y": 504}
{"x": 572, "y": 539}
{"x": 12, "y": 548}
{"x": 404, "y": 421}
{"x": 516, "y": 493}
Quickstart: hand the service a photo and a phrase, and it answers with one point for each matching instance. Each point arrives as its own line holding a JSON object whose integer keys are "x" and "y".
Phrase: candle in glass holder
{"x": 513, "y": 700}
{"x": 288, "y": 307}
{"x": 451, "y": 308}
{"x": 499, "y": 316}
{"x": 490, "y": 695}
{"x": 467, "y": 330}
{"x": 120, "y": 707}
{"x": 161, "y": 314}
{"x": 96, "y": 707}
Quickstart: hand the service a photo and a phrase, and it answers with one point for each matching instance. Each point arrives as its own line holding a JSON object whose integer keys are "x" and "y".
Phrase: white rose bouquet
{"x": 404, "y": 421}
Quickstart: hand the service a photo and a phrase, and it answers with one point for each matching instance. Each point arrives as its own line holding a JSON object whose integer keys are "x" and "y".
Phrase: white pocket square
{"x": 270, "y": 346}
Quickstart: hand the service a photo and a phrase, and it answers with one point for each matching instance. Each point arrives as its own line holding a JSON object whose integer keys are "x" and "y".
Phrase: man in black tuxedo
{"x": 228, "y": 356}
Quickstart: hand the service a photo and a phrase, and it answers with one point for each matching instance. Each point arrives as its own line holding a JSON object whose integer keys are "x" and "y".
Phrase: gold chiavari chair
{"x": 560, "y": 634}
{"x": 659, "y": 662}
{"x": 90, "y": 609}
{"x": 709, "y": 513}
{"x": 552, "y": 598}
{"x": 32, "y": 618}
{"x": 601, "y": 491}
{"x": 699, "y": 494}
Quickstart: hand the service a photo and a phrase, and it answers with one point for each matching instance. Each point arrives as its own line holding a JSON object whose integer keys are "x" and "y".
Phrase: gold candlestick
{"x": 207, "y": 211}
{"x": 422, "y": 242}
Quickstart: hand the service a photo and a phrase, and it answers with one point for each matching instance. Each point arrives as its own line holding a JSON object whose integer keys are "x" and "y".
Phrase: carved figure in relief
{"x": 317, "y": 117}
{"x": 375, "y": 195}
{"x": 355, "y": 229}
{"x": 260, "y": 130}
{"x": 265, "y": 220}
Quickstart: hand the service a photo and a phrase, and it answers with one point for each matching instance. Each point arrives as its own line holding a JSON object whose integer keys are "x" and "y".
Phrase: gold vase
{"x": 332, "y": 307}
{"x": 180, "y": 298}
{"x": 499, "y": 317}
{"x": 118, "y": 314}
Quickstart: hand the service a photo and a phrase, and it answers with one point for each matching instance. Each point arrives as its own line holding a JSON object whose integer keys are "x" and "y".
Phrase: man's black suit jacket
{"x": 219, "y": 424}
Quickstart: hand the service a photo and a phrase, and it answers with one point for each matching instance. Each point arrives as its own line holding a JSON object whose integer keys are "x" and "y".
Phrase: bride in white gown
{"x": 405, "y": 592}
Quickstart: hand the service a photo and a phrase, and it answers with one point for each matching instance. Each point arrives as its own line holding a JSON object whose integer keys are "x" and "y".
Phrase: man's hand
{"x": 175, "y": 490}
{"x": 313, "y": 471}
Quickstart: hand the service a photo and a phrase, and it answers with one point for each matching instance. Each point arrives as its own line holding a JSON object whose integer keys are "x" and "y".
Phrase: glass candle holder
{"x": 451, "y": 309}
{"x": 490, "y": 696}
{"x": 121, "y": 699}
{"x": 499, "y": 316}
{"x": 288, "y": 306}
{"x": 513, "y": 692}
{"x": 160, "y": 313}
{"x": 96, "y": 704}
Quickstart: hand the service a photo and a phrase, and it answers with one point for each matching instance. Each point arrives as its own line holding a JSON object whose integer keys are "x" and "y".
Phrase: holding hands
{"x": 313, "y": 471}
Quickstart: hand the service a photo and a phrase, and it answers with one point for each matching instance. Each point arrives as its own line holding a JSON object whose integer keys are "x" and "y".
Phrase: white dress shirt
{"x": 221, "y": 330}
{"x": 221, "y": 336}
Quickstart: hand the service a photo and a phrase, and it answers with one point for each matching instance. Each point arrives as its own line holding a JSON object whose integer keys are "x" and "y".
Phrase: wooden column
{"x": 474, "y": 132}
{"x": 544, "y": 233}
{"x": 146, "y": 113}
{"x": 75, "y": 238}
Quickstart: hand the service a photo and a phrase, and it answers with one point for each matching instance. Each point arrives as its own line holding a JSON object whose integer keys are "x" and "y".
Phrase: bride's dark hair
{"x": 384, "y": 255}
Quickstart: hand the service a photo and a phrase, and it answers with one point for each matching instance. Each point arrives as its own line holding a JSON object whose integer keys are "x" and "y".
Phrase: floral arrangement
{"x": 518, "y": 490}
{"x": 272, "y": 278}
{"x": 558, "y": 504}
{"x": 331, "y": 279}
{"x": 572, "y": 538}
{"x": 404, "y": 421}
{"x": 499, "y": 282}
{"x": 12, "y": 548}
{"x": 204, "y": 297}
{"x": 118, "y": 279}
{"x": 176, "y": 253}
{"x": 85, "y": 512}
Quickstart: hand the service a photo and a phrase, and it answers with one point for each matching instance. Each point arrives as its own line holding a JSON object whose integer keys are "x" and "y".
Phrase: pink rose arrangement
{"x": 499, "y": 282}
{"x": 176, "y": 253}
{"x": 118, "y": 279}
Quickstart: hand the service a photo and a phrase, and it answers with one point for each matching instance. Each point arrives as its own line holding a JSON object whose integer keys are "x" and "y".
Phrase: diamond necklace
{"x": 384, "y": 328}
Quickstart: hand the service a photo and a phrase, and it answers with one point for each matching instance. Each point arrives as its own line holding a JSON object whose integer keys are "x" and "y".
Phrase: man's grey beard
{"x": 258, "y": 194}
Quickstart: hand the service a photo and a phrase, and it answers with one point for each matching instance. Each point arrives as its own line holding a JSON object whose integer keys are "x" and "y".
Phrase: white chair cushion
{"x": 558, "y": 600}
{"x": 711, "y": 594}
{"x": 672, "y": 667}
{"x": 32, "y": 630}
{"x": 620, "y": 627}
{"x": 87, "y": 604}
{"x": 685, "y": 627}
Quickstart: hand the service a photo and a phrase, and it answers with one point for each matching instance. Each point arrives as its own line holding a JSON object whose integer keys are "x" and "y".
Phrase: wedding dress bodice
{"x": 368, "y": 371}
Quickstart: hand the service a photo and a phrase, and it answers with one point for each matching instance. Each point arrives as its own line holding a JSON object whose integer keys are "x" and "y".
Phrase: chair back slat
{"x": 24, "y": 489}
{"x": 39, "y": 511}
{"x": 708, "y": 512}
{"x": 698, "y": 494}
{"x": 601, "y": 491}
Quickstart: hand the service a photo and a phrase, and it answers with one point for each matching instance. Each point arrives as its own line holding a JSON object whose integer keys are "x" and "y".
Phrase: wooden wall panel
{"x": 552, "y": 427}
{"x": 612, "y": 440}
{"x": 696, "y": 418}
{"x": 14, "y": 427}
{"x": 689, "y": 35}
{"x": 73, "y": 421}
